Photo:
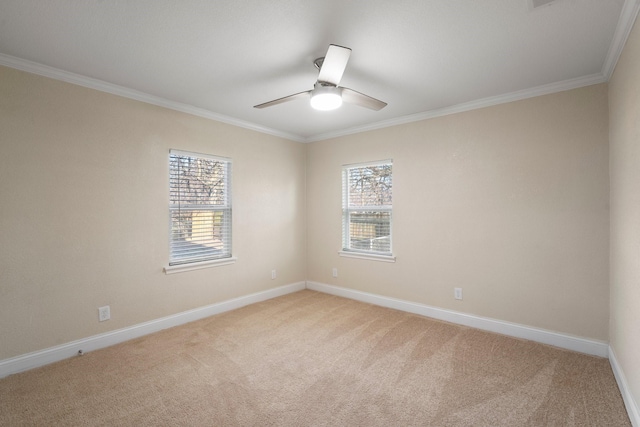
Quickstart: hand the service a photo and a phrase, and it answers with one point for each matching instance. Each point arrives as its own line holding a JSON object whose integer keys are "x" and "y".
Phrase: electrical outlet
{"x": 104, "y": 313}
{"x": 457, "y": 293}
{"x": 273, "y": 274}
{"x": 334, "y": 272}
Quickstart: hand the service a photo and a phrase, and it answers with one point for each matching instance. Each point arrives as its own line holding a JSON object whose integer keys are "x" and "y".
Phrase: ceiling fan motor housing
{"x": 326, "y": 94}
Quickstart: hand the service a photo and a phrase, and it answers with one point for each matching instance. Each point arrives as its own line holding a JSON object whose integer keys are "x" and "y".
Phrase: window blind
{"x": 199, "y": 207}
{"x": 367, "y": 207}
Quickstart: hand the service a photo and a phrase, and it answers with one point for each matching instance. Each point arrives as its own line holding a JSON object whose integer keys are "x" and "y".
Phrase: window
{"x": 367, "y": 208}
{"x": 199, "y": 207}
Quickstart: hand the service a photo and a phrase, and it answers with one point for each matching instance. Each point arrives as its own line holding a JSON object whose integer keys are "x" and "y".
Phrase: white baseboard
{"x": 64, "y": 351}
{"x": 629, "y": 401}
{"x": 582, "y": 345}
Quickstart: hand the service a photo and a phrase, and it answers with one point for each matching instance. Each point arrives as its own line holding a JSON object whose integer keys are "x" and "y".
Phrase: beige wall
{"x": 624, "y": 134}
{"x": 84, "y": 212}
{"x": 508, "y": 202}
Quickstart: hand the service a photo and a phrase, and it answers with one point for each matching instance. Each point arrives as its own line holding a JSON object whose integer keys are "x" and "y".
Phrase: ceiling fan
{"x": 326, "y": 94}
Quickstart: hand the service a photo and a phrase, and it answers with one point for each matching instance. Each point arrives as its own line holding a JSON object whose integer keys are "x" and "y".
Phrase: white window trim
{"x": 368, "y": 256}
{"x": 193, "y": 153}
{"x": 363, "y": 164}
{"x": 354, "y": 253}
{"x": 199, "y": 265}
{"x": 181, "y": 268}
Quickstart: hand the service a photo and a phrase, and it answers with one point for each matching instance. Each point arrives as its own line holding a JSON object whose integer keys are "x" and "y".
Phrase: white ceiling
{"x": 219, "y": 58}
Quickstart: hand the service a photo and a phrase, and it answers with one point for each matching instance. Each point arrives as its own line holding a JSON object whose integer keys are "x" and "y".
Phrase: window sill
{"x": 180, "y": 268}
{"x": 372, "y": 257}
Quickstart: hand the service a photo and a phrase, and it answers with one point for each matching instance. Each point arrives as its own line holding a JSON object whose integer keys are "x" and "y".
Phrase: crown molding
{"x": 91, "y": 83}
{"x": 627, "y": 18}
{"x": 468, "y": 106}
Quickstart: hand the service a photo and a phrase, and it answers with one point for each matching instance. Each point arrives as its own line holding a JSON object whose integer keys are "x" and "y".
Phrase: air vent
{"x": 534, "y": 4}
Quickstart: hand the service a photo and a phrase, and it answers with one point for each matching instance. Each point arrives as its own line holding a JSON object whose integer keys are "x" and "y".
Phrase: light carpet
{"x": 312, "y": 359}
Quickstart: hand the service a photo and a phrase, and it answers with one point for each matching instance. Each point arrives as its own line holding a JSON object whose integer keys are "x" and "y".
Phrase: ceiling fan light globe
{"x": 326, "y": 101}
{"x": 326, "y": 98}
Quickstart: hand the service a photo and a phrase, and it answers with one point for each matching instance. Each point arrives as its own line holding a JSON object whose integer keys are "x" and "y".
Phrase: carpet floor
{"x": 312, "y": 359}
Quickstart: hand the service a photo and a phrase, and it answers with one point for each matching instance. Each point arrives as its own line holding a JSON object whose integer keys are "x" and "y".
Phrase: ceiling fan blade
{"x": 353, "y": 97}
{"x": 335, "y": 61}
{"x": 284, "y": 99}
